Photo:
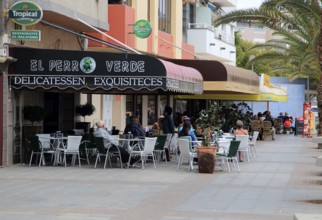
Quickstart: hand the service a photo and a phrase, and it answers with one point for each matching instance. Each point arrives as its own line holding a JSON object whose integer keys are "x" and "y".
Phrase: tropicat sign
{"x": 25, "y": 13}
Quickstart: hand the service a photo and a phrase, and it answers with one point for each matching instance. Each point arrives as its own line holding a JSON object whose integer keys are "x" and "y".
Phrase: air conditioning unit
{"x": 3, "y": 52}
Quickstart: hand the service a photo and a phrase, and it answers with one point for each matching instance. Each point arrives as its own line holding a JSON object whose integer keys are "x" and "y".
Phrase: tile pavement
{"x": 278, "y": 183}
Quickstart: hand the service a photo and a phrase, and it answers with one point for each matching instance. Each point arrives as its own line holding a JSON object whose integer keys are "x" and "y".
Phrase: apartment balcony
{"x": 212, "y": 44}
{"x": 64, "y": 13}
{"x": 225, "y": 3}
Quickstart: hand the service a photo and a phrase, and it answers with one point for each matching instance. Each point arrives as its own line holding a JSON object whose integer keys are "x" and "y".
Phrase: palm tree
{"x": 298, "y": 48}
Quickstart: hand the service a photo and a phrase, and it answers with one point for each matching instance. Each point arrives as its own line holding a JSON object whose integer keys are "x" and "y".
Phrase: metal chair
{"x": 38, "y": 149}
{"x": 231, "y": 155}
{"x": 102, "y": 151}
{"x": 159, "y": 147}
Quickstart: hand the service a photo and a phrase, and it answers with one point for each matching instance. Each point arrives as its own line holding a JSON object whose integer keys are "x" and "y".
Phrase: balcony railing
{"x": 218, "y": 34}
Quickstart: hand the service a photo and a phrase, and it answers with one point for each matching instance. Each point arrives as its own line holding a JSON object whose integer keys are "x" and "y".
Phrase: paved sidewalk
{"x": 281, "y": 181}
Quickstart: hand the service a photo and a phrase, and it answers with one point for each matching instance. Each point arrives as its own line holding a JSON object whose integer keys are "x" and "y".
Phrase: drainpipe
{"x": 2, "y": 22}
{"x": 3, "y": 70}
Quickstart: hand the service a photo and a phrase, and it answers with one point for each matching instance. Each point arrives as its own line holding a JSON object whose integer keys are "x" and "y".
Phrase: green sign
{"x": 25, "y": 13}
{"x": 26, "y": 35}
{"x": 142, "y": 29}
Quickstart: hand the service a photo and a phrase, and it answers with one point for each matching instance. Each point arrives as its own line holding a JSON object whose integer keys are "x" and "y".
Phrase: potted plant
{"x": 209, "y": 121}
{"x": 236, "y": 112}
{"x": 84, "y": 110}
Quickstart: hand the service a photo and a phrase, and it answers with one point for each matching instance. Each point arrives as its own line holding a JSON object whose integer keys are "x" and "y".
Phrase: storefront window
{"x": 181, "y": 106}
{"x": 151, "y": 109}
{"x": 163, "y": 103}
{"x": 133, "y": 107}
{"x": 138, "y": 110}
{"x": 165, "y": 16}
{"x": 129, "y": 107}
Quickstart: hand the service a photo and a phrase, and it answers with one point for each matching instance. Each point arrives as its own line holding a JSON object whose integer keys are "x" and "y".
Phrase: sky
{"x": 245, "y": 4}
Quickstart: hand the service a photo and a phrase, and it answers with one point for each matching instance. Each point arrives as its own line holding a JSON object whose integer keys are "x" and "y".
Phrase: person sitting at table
{"x": 157, "y": 127}
{"x": 186, "y": 130}
{"x": 108, "y": 138}
{"x": 134, "y": 128}
{"x": 240, "y": 131}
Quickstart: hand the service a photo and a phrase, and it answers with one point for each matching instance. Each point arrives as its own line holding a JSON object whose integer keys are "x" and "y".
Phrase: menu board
{"x": 307, "y": 120}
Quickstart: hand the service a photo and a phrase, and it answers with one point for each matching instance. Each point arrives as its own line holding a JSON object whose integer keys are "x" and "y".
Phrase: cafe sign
{"x": 25, "y": 13}
{"x": 47, "y": 69}
{"x": 142, "y": 29}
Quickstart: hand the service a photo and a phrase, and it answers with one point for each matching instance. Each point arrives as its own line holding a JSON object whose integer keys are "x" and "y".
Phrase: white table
{"x": 58, "y": 142}
{"x": 129, "y": 142}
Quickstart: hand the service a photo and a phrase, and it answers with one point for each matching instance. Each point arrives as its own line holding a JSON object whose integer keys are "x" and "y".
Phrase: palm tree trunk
{"x": 319, "y": 87}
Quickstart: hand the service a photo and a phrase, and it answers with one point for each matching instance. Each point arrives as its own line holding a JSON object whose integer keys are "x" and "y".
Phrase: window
{"x": 165, "y": 16}
{"x": 133, "y": 107}
{"x": 152, "y": 100}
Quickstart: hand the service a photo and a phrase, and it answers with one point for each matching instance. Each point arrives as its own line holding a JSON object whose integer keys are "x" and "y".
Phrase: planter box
{"x": 206, "y": 159}
{"x": 83, "y": 125}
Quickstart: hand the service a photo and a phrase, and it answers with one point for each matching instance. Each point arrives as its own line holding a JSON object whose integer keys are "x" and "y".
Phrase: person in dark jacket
{"x": 168, "y": 124}
{"x": 134, "y": 128}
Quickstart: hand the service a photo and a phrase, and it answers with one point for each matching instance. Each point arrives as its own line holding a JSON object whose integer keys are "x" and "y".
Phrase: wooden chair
{"x": 256, "y": 125}
{"x": 278, "y": 124}
{"x": 267, "y": 130}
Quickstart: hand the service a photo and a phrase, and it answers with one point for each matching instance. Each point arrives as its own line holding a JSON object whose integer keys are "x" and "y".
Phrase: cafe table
{"x": 130, "y": 143}
{"x": 58, "y": 142}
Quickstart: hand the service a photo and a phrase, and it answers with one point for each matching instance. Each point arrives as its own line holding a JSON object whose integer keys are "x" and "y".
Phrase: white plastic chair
{"x": 252, "y": 144}
{"x": 145, "y": 151}
{"x": 71, "y": 147}
{"x": 46, "y": 146}
{"x": 185, "y": 151}
{"x": 244, "y": 146}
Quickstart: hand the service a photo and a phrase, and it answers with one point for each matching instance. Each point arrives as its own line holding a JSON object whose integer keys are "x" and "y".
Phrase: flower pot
{"x": 206, "y": 159}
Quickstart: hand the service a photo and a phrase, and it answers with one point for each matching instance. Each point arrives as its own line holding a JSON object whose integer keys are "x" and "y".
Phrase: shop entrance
{"x": 59, "y": 112}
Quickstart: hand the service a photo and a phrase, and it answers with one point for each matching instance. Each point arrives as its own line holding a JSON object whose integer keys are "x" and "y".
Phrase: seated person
{"x": 240, "y": 129}
{"x": 157, "y": 127}
{"x": 187, "y": 130}
{"x": 102, "y": 132}
{"x": 287, "y": 123}
{"x": 134, "y": 128}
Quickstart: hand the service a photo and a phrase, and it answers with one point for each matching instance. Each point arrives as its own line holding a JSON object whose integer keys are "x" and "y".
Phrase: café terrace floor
{"x": 281, "y": 181}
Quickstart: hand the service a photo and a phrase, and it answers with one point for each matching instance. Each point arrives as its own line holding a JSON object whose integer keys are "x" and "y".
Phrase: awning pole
{"x": 112, "y": 38}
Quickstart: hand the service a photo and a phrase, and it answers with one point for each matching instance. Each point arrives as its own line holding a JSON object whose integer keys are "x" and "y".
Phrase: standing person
{"x": 134, "y": 128}
{"x": 168, "y": 124}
